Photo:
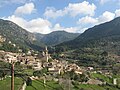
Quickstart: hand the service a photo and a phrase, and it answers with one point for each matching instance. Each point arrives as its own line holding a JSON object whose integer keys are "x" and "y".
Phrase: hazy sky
{"x": 45, "y": 16}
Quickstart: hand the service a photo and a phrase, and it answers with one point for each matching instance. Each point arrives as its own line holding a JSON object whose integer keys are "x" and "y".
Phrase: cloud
{"x": 5, "y": 2}
{"x": 87, "y": 20}
{"x": 81, "y": 8}
{"x": 117, "y": 13}
{"x": 106, "y": 16}
{"x": 68, "y": 29}
{"x": 28, "y": 8}
{"x": 38, "y": 25}
{"x": 51, "y": 12}
{"x": 84, "y": 8}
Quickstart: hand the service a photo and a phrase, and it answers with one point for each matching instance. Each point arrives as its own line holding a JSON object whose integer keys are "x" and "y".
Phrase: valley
{"x": 60, "y": 60}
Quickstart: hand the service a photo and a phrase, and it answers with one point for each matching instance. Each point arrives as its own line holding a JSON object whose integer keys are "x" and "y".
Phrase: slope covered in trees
{"x": 89, "y": 46}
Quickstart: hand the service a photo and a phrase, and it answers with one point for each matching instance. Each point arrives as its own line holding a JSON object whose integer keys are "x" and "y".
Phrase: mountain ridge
{"x": 107, "y": 29}
{"x": 27, "y": 40}
{"x": 58, "y": 37}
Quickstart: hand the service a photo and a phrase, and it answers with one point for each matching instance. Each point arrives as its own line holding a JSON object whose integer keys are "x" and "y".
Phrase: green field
{"x": 93, "y": 87}
{"x": 38, "y": 85}
{"x": 100, "y": 76}
{"x": 51, "y": 85}
{"x": 6, "y": 83}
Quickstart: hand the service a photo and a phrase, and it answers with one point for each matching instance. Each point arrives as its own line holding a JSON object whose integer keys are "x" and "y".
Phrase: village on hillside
{"x": 43, "y": 67}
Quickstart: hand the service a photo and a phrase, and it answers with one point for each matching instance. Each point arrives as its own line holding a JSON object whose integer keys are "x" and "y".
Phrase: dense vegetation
{"x": 89, "y": 47}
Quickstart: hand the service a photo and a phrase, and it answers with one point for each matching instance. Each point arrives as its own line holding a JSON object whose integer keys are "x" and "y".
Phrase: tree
{"x": 40, "y": 72}
{"x": 2, "y": 74}
{"x": 29, "y": 81}
{"x": 49, "y": 60}
{"x": 104, "y": 53}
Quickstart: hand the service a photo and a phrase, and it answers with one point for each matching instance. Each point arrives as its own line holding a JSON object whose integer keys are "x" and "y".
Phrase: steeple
{"x": 46, "y": 54}
{"x": 46, "y": 50}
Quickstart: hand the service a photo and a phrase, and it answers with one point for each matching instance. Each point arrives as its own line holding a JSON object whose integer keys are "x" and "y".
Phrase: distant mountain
{"x": 22, "y": 39}
{"x": 106, "y": 32}
{"x": 107, "y": 29}
{"x": 39, "y": 36}
{"x": 17, "y": 35}
{"x": 58, "y": 37}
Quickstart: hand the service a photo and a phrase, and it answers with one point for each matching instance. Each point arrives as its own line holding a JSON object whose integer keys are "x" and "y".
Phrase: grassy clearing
{"x": 93, "y": 87}
{"x": 38, "y": 85}
{"x": 100, "y": 76}
{"x": 6, "y": 83}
